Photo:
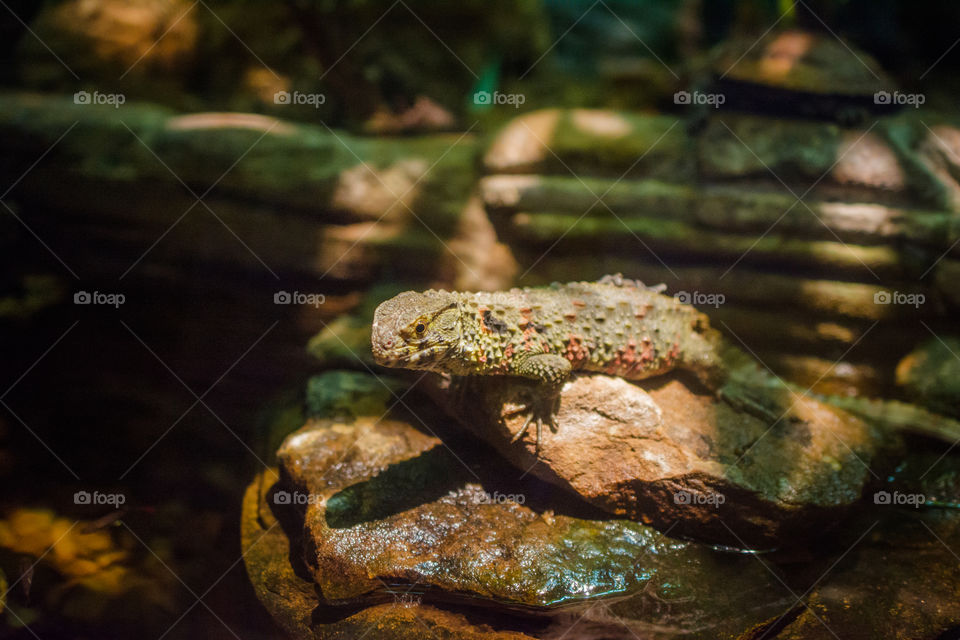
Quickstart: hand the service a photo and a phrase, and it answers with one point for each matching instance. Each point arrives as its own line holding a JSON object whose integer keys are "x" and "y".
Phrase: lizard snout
{"x": 383, "y": 347}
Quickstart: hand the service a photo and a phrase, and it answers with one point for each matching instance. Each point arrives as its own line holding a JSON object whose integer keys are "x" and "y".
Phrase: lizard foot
{"x": 539, "y": 413}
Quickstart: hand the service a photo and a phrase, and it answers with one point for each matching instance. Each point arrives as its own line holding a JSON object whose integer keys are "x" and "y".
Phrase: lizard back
{"x": 625, "y": 330}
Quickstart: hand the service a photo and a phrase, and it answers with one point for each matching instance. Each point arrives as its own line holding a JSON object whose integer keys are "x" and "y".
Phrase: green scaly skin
{"x": 615, "y": 326}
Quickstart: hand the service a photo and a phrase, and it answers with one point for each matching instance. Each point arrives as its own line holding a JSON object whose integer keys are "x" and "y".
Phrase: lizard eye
{"x": 421, "y": 327}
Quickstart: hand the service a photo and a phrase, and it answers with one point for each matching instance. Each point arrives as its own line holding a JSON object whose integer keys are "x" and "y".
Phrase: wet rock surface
{"x": 379, "y": 510}
{"x": 402, "y": 526}
{"x": 904, "y": 565}
{"x": 407, "y": 510}
{"x": 293, "y": 602}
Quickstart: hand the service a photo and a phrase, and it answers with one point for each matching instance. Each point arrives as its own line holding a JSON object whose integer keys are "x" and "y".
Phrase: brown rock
{"x": 668, "y": 456}
{"x": 376, "y": 509}
{"x": 293, "y": 602}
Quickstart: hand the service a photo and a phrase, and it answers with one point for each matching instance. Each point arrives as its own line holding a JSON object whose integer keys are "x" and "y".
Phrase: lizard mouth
{"x": 404, "y": 356}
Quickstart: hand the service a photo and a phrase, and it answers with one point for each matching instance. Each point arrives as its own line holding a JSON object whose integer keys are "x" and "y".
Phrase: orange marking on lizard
{"x": 647, "y": 354}
{"x": 674, "y": 353}
{"x": 576, "y": 350}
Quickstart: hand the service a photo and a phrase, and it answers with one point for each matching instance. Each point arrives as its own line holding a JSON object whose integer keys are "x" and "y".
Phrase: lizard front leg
{"x": 550, "y": 371}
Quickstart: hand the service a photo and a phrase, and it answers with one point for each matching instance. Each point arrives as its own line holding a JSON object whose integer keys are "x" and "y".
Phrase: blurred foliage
{"x": 376, "y": 60}
{"x": 399, "y": 51}
{"x": 79, "y": 572}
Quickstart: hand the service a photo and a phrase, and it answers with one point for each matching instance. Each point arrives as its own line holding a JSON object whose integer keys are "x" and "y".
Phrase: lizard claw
{"x": 534, "y": 414}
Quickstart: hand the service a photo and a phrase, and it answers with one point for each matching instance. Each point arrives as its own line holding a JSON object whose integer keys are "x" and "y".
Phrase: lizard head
{"x": 415, "y": 330}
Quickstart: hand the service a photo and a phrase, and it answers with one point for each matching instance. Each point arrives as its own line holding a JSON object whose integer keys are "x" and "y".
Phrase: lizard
{"x": 614, "y": 326}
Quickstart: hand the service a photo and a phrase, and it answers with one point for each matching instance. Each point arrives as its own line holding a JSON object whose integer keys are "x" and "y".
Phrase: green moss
{"x": 648, "y": 145}
{"x": 348, "y": 394}
{"x": 602, "y": 228}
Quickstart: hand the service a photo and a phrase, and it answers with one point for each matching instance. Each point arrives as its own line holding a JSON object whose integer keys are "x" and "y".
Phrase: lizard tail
{"x": 895, "y": 416}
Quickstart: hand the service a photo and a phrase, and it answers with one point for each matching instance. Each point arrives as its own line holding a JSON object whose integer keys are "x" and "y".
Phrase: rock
{"x": 741, "y": 146}
{"x": 802, "y": 73}
{"x": 742, "y": 210}
{"x": 930, "y": 375}
{"x": 901, "y": 578}
{"x": 590, "y": 142}
{"x": 566, "y": 194}
{"x": 522, "y": 146}
{"x": 827, "y": 376}
{"x": 819, "y": 155}
{"x": 424, "y": 115}
{"x": 938, "y": 151}
{"x": 899, "y": 161}
{"x": 293, "y": 602}
{"x": 303, "y": 200}
{"x": 726, "y": 208}
{"x": 807, "y": 334}
{"x": 577, "y": 233}
{"x": 380, "y": 508}
{"x": 902, "y": 587}
{"x": 485, "y": 263}
{"x": 664, "y": 455}
{"x": 781, "y": 291}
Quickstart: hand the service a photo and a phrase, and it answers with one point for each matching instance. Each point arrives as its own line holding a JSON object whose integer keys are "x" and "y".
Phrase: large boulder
{"x": 683, "y": 461}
